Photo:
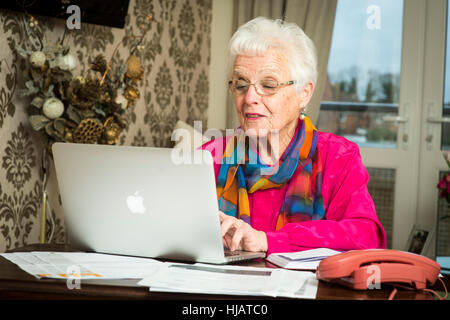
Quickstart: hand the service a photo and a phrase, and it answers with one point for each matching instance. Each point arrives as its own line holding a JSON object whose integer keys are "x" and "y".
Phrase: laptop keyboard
{"x": 231, "y": 253}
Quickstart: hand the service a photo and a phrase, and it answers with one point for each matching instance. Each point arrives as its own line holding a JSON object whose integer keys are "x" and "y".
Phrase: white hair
{"x": 261, "y": 34}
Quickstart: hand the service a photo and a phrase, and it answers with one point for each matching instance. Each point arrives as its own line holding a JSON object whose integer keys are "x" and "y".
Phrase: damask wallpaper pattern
{"x": 175, "y": 53}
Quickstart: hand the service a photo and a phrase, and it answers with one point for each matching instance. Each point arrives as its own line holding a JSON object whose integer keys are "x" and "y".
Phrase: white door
{"x": 432, "y": 212}
{"x": 386, "y": 58}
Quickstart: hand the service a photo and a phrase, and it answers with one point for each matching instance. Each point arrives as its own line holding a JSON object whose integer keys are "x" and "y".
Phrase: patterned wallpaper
{"x": 175, "y": 54}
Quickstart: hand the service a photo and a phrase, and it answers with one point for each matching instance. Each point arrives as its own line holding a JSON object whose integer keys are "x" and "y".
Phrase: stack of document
{"x": 232, "y": 280}
{"x": 81, "y": 265}
{"x": 169, "y": 277}
{"x": 301, "y": 260}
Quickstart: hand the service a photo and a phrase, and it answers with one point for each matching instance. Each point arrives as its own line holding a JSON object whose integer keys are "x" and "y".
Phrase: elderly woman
{"x": 281, "y": 184}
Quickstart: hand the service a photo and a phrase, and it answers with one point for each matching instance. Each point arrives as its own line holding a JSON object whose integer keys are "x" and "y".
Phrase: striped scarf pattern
{"x": 300, "y": 167}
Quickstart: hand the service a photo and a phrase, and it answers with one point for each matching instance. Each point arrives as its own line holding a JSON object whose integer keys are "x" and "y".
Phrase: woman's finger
{"x": 224, "y": 242}
{"x": 236, "y": 239}
{"x": 226, "y": 225}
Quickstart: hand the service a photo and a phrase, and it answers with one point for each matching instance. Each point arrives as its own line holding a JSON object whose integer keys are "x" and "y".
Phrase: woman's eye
{"x": 269, "y": 84}
{"x": 241, "y": 84}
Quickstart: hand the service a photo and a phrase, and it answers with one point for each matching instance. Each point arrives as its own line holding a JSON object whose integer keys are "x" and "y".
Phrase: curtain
{"x": 315, "y": 17}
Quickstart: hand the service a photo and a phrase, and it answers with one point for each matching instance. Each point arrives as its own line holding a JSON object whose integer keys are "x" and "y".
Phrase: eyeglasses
{"x": 266, "y": 87}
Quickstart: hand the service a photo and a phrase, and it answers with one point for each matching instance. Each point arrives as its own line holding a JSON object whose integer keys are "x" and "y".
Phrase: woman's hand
{"x": 239, "y": 235}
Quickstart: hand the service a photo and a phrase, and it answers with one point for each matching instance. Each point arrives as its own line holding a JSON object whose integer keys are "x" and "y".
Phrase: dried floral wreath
{"x": 79, "y": 109}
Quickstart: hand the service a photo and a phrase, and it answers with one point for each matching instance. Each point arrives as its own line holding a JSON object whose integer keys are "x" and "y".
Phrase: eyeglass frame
{"x": 279, "y": 85}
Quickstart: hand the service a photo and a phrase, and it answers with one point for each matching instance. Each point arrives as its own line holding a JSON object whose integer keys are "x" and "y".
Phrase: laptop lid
{"x": 139, "y": 201}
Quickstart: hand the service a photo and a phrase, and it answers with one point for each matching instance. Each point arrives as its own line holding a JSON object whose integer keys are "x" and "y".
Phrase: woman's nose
{"x": 251, "y": 96}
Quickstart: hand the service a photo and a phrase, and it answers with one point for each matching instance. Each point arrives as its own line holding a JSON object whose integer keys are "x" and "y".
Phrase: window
{"x": 361, "y": 95}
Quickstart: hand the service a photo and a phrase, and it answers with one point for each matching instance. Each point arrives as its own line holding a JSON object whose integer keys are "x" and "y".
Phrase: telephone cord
{"x": 394, "y": 291}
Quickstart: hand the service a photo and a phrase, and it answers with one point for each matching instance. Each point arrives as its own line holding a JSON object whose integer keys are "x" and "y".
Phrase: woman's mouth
{"x": 253, "y": 116}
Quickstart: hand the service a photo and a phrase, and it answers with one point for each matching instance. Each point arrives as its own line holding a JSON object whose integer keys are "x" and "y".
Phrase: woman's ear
{"x": 306, "y": 95}
{"x": 307, "y": 92}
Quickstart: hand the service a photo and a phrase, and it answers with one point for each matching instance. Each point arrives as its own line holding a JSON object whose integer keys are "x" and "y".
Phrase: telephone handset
{"x": 360, "y": 269}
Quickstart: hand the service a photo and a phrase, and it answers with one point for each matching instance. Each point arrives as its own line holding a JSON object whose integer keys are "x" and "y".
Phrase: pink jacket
{"x": 350, "y": 219}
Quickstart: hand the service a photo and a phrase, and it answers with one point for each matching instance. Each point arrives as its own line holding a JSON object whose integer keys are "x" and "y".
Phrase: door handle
{"x": 434, "y": 117}
{"x": 438, "y": 119}
{"x": 402, "y": 120}
{"x": 396, "y": 119}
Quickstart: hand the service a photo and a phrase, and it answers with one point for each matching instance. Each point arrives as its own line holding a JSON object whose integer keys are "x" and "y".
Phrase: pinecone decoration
{"x": 99, "y": 64}
{"x": 88, "y": 93}
{"x": 88, "y": 131}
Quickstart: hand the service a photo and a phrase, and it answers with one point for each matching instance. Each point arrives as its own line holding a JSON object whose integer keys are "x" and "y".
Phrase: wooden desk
{"x": 17, "y": 284}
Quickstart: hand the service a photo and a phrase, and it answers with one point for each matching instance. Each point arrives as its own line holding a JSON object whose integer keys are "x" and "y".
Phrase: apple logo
{"x": 135, "y": 203}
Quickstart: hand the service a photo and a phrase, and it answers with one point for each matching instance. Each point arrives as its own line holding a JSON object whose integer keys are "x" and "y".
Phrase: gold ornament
{"x": 105, "y": 97}
{"x": 81, "y": 80}
{"x": 131, "y": 94}
{"x": 112, "y": 131}
{"x": 68, "y": 136}
{"x": 135, "y": 70}
{"x": 88, "y": 131}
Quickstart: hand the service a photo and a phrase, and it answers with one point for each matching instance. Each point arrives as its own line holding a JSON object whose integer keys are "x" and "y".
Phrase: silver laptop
{"x": 141, "y": 201}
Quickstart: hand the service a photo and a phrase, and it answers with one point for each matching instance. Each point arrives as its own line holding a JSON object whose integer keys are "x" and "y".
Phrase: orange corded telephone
{"x": 362, "y": 269}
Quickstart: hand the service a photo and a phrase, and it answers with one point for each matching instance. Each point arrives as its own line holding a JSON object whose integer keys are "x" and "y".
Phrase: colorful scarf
{"x": 299, "y": 166}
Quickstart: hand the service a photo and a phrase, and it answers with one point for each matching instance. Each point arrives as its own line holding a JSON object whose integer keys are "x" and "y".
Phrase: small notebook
{"x": 301, "y": 260}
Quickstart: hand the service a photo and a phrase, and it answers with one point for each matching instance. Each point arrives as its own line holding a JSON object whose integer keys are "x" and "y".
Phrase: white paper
{"x": 312, "y": 254}
{"x": 232, "y": 280}
{"x": 304, "y": 260}
{"x": 169, "y": 277}
{"x": 64, "y": 265}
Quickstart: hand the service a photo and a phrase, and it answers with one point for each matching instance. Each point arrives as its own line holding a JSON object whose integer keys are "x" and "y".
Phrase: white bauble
{"x": 53, "y": 108}
{"x": 122, "y": 101}
{"x": 37, "y": 59}
{"x": 67, "y": 62}
{"x": 71, "y": 61}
